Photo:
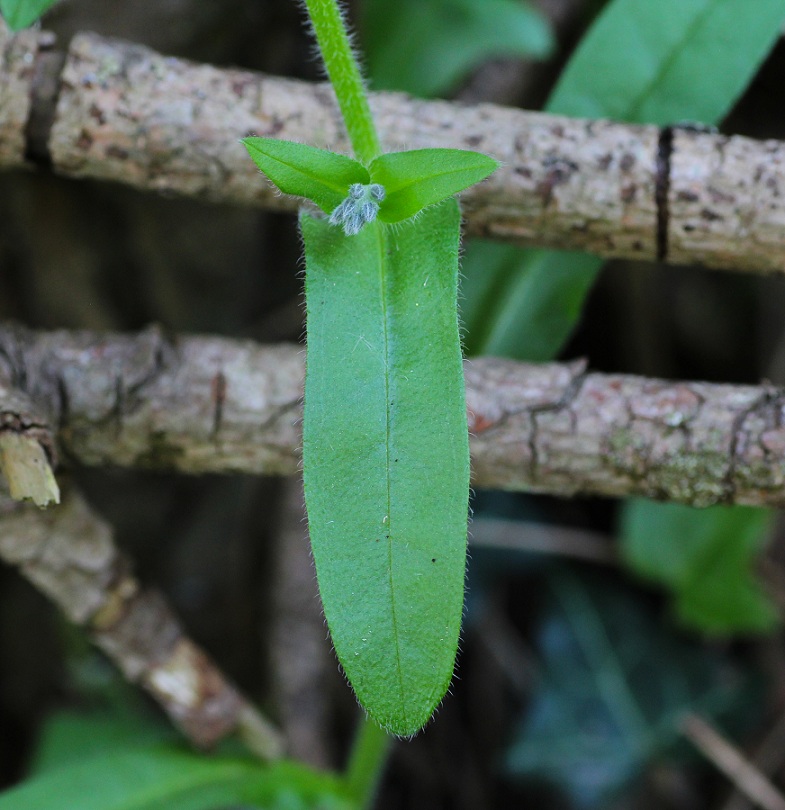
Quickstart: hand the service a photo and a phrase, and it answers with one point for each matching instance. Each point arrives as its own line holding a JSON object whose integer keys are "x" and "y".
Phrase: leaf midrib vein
{"x": 665, "y": 65}
{"x": 398, "y": 189}
{"x": 381, "y": 246}
{"x": 311, "y": 176}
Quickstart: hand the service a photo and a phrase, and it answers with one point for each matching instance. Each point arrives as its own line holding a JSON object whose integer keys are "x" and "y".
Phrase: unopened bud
{"x": 359, "y": 208}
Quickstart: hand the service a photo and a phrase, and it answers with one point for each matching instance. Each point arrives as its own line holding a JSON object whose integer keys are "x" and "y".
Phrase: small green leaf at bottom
{"x": 165, "y": 777}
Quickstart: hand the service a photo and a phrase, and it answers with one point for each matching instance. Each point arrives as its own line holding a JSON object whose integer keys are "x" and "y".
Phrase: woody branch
{"x": 121, "y": 112}
{"x": 202, "y": 404}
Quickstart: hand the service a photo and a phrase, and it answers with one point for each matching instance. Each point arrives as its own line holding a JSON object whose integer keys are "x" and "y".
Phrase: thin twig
{"x": 517, "y": 535}
{"x": 768, "y": 757}
{"x": 727, "y": 758}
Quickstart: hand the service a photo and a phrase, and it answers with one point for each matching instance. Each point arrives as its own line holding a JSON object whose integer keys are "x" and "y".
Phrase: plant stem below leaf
{"x": 366, "y": 761}
{"x": 345, "y": 77}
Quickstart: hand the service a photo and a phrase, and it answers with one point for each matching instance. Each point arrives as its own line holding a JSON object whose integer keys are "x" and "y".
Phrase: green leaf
{"x": 69, "y": 737}
{"x": 167, "y": 778}
{"x": 663, "y": 62}
{"x": 386, "y": 456}
{"x": 706, "y": 557}
{"x": 616, "y": 682}
{"x": 21, "y": 13}
{"x": 305, "y": 171}
{"x": 445, "y": 39}
{"x": 521, "y": 304}
{"x": 641, "y": 62}
{"x": 421, "y": 177}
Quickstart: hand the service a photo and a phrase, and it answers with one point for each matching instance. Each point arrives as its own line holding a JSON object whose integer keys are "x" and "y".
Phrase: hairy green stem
{"x": 345, "y": 77}
{"x": 366, "y": 761}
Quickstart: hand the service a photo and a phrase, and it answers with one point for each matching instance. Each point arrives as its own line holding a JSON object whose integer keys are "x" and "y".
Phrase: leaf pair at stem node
{"x": 393, "y": 187}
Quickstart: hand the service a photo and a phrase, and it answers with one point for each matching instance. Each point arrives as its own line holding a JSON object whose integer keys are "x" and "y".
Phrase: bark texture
{"x": 726, "y": 199}
{"x": 69, "y": 554}
{"x": 18, "y": 55}
{"x": 200, "y": 404}
{"x": 130, "y": 115}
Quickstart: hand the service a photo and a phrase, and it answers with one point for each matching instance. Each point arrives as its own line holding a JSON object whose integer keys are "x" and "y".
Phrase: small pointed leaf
{"x": 422, "y": 177}
{"x": 305, "y": 171}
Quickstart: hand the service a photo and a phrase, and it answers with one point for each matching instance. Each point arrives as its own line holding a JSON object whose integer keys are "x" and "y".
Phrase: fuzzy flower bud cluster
{"x": 359, "y": 208}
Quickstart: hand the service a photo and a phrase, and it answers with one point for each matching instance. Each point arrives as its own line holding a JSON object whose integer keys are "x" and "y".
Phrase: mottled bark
{"x": 130, "y": 115}
{"x": 69, "y": 554}
{"x": 726, "y": 200}
{"x": 557, "y": 429}
{"x": 18, "y": 57}
{"x": 213, "y": 404}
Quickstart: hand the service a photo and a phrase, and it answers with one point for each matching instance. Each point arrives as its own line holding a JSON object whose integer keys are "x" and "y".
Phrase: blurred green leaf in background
{"x": 522, "y": 303}
{"x": 422, "y": 46}
{"x": 641, "y": 62}
{"x": 670, "y": 61}
{"x": 614, "y": 686}
{"x": 105, "y": 761}
{"x": 21, "y": 13}
{"x": 706, "y": 558}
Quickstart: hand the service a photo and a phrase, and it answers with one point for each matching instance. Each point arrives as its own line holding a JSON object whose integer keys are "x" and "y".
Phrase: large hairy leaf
{"x": 386, "y": 457}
